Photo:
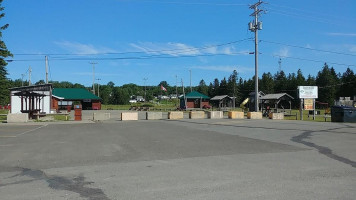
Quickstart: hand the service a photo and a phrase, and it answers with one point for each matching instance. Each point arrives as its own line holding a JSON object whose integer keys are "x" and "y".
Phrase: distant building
{"x": 44, "y": 99}
{"x": 194, "y": 100}
{"x": 222, "y": 101}
{"x": 64, "y": 97}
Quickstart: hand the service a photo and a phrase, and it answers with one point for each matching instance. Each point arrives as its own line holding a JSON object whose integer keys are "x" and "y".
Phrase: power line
{"x": 308, "y": 48}
{"x": 193, "y": 3}
{"x": 311, "y": 60}
{"x": 166, "y": 51}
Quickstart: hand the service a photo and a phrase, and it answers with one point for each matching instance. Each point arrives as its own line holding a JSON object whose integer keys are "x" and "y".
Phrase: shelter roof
{"x": 220, "y": 97}
{"x": 196, "y": 95}
{"x": 276, "y": 96}
{"x": 32, "y": 88}
{"x": 73, "y": 93}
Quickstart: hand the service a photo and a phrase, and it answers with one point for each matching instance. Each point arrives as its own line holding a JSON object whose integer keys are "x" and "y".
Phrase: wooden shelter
{"x": 222, "y": 101}
{"x": 33, "y": 99}
{"x": 276, "y": 102}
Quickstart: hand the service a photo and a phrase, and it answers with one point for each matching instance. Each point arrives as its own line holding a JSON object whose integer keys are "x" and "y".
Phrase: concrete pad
{"x": 17, "y": 117}
{"x": 236, "y": 115}
{"x": 129, "y": 116}
{"x": 276, "y": 116}
{"x": 175, "y": 115}
{"x": 99, "y": 116}
{"x": 215, "y": 114}
{"x": 254, "y": 115}
{"x": 153, "y": 115}
{"x": 196, "y": 115}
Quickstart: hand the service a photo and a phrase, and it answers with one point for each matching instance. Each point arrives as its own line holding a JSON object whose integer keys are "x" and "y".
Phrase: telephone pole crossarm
{"x": 254, "y": 26}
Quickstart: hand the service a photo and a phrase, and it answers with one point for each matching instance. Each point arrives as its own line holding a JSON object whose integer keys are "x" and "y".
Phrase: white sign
{"x": 308, "y": 92}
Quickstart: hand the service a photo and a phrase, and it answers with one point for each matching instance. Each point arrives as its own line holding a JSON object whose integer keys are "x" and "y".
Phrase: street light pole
{"x": 98, "y": 79}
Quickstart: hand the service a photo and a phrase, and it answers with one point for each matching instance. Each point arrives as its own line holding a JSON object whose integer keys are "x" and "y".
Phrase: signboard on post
{"x": 308, "y": 92}
{"x": 307, "y": 95}
{"x": 308, "y": 104}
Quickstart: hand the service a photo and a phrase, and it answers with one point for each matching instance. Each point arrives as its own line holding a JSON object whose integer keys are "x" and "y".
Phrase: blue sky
{"x": 161, "y": 39}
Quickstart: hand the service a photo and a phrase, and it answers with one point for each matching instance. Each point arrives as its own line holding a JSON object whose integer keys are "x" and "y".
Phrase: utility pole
{"x": 176, "y": 87}
{"x": 29, "y": 76}
{"x": 280, "y": 65}
{"x": 98, "y": 79}
{"x": 144, "y": 82}
{"x": 254, "y": 26}
{"x": 93, "y": 63}
{"x": 184, "y": 99}
{"x": 22, "y": 75}
{"x": 46, "y": 58}
{"x": 190, "y": 72}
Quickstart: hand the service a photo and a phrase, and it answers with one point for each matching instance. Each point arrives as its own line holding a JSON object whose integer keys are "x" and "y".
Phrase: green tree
{"x": 310, "y": 80}
{"x": 327, "y": 81}
{"x": 203, "y": 88}
{"x": 280, "y": 82}
{"x": 4, "y": 53}
{"x": 348, "y": 81}
{"x": 267, "y": 83}
{"x": 232, "y": 88}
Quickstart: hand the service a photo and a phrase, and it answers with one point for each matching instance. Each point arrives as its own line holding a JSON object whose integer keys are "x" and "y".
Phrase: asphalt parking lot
{"x": 185, "y": 159}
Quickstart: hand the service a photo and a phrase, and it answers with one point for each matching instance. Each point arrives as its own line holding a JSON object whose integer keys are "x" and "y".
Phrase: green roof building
{"x": 194, "y": 100}
{"x": 64, "y": 97}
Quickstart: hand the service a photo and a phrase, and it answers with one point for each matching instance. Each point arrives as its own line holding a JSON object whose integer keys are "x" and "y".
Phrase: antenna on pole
{"x": 254, "y": 26}
{"x": 29, "y": 76}
{"x": 46, "y": 58}
{"x": 93, "y": 63}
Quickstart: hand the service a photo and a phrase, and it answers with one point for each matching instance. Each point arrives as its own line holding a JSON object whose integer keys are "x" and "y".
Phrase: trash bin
{"x": 343, "y": 114}
{"x": 78, "y": 112}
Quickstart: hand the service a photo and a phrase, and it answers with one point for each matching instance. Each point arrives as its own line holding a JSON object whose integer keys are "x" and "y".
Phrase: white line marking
{"x": 6, "y": 145}
{"x": 31, "y": 130}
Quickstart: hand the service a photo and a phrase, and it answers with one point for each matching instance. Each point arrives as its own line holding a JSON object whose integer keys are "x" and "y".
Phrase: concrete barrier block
{"x": 175, "y": 115}
{"x": 254, "y": 115}
{"x": 215, "y": 114}
{"x": 196, "y": 114}
{"x": 128, "y": 116}
{"x": 17, "y": 118}
{"x": 236, "y": 115}
{"x": 101, "y": 116}
{"x": 153, "y": 115}
{"x": 277, "y": 116}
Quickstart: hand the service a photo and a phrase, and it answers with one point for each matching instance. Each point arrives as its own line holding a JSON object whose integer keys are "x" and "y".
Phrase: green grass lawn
{"x": 3, "y": 118}
{"x": 318, "y": 118}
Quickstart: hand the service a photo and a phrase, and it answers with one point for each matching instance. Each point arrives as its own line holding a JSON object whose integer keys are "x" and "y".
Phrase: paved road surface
{"x": 186, "y": 159}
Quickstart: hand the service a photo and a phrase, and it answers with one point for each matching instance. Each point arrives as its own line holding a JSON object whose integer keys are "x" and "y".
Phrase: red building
{"x": 64, "y": 98}
{"x": 194, "y": 100}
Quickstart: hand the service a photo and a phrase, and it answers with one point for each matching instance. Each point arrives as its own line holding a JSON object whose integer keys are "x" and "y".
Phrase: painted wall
{"x": 45, "y": 105}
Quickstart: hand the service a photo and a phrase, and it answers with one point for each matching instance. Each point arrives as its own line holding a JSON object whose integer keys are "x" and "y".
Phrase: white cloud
{"x": 342, "y": 34}
{"x": 79, "y": 48}
{"x": 96, "y": 74}
{"x": 283, "y": 52}
{"x": 180, "y": 49}
{"x": 352, "y": 48}
{"x": 224, "y": 68}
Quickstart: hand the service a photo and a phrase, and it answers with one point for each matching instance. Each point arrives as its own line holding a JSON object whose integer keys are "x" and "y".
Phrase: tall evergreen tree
{"x": 280, "y": 80}
{"x": 267, "y": 83}
{"x": 348, "y": 81}
{"x": 203, "y": 88}
{"x": 4, "y": 53}
{"x": 327, "y": 81}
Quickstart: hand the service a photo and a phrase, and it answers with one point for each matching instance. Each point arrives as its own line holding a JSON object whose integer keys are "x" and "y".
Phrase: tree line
{"x": 331, "y": 86}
